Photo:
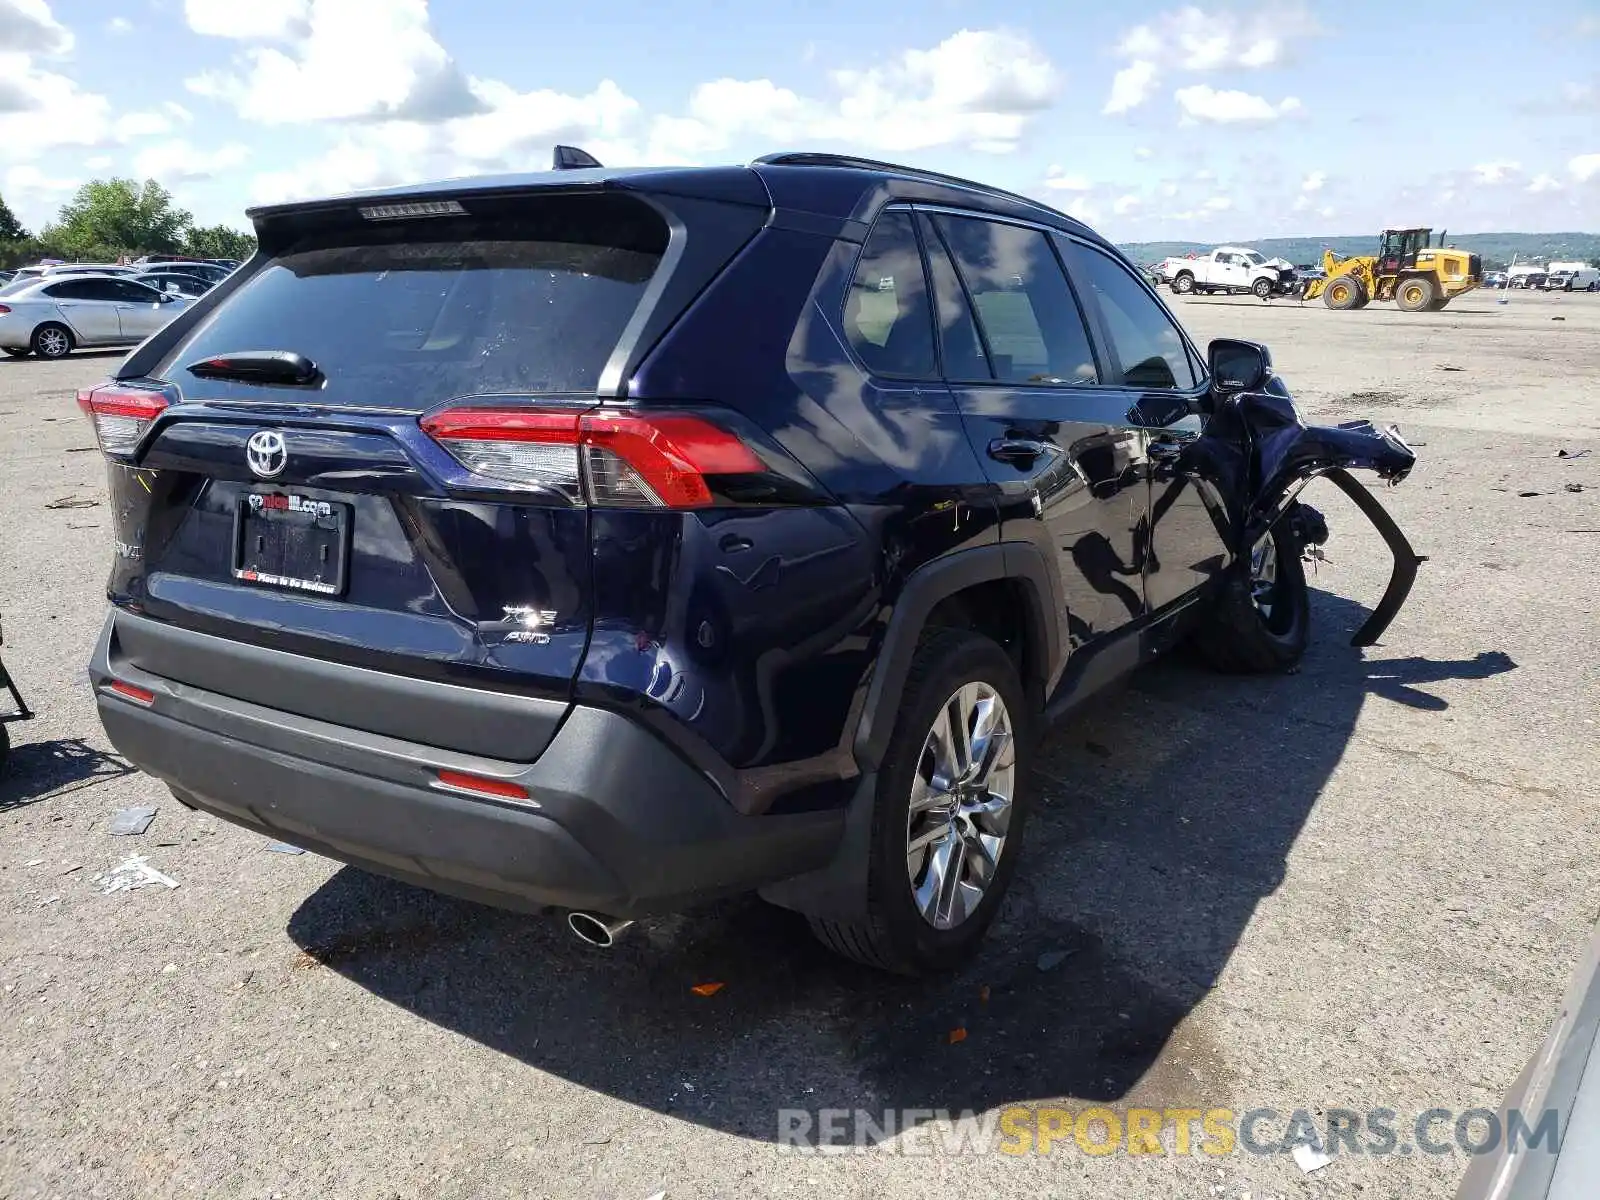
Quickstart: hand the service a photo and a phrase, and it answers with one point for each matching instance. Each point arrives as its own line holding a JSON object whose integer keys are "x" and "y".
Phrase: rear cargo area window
{"x": 528, "y": 298}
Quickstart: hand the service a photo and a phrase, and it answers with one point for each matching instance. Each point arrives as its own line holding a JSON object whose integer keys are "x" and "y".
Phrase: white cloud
{"x": 1125, "y": 204}
{"x": 1313, "y": 182}
{"x": 1060, "y": 181}
{"x": 1218, "y": 204}
{"x": 177, "y": 161}
{"x": 1192, "y": 39}
{"x": 29, "y": 27}
{"x": 98, "y": 162}
{"x": 257, "y": 20}
{"x": 1495, "y": 172}
{"x": 40, "y": 109}
{"x": 345, "y": 60}
{"x": 1585, "y": 167}
{"x": 139, "y": 125}
{"x": 1203, "y": 103}
{"x": 1143, "y": 152}
{"x": 1544, "y": 183}
{"x": 1131, "y": 87}
{"x": 976, "y": 88}
{"x": 26, "y": 183}
{"x": 119, "y": 26}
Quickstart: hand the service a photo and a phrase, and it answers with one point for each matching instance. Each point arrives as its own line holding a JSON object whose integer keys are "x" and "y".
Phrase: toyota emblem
{"x": 266, "y": 453}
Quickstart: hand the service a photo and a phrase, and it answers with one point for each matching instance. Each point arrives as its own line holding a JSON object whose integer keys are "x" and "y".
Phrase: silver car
{"x": 53, "y": 317}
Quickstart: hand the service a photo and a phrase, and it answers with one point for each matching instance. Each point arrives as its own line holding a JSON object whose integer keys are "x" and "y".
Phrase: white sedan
{"x": 53, "y": 317}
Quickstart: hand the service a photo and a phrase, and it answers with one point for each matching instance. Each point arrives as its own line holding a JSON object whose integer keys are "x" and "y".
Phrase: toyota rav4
{"x": 613, "y": 540}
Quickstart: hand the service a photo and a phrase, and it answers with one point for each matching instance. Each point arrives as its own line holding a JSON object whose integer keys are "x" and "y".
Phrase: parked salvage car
{"x": 613, "y": 540}
{"x": 1545, "y": 1145}
{"x": 1229, "y": 269}
{"x": 54, "y": 316}
{"x": 182, "y": 283}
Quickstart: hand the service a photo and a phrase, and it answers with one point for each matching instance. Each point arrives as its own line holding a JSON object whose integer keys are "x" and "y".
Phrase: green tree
{"x": 218, "y": 241}
{"x": 121, "y": 214}
{"x": 11, "y": 229}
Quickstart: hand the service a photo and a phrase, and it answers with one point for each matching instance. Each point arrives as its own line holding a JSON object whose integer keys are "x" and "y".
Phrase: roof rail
{"x": 810, "y": 158}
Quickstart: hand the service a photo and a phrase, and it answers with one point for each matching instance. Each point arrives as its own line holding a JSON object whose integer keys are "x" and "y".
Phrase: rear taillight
{"x": 121, "y": 415}
{"x": 659, "y": 460}
{"x": 4, "y": 308}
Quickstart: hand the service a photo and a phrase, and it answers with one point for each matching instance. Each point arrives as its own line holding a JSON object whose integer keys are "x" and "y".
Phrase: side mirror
{"x": 1238, "y": 366}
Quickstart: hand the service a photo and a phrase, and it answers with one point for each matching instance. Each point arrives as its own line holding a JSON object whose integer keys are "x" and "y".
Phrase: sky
{"x": 1150, "y": 121}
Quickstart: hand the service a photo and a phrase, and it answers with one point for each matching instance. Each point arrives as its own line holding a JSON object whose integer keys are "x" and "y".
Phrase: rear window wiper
{"x": 282, "y": 367}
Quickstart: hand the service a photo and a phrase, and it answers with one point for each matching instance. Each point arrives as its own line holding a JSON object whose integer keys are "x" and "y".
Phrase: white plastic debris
{"x": 132, "y": 875}
{"x": 1309, "y": 1159}
{"x": 283, "y": 848}
{"x": 130, "y": 822}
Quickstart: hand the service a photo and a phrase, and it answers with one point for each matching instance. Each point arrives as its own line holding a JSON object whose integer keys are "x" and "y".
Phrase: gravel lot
{"x": 1361, "y": 885}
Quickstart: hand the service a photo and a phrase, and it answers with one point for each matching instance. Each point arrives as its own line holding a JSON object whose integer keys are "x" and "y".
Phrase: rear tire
{"x": 1183, "y": 284}
{"x": 899, "y": 932}
{"x": 1262, "y": 621}
{"x": 1343, "y": 294}
{"x": 1416, "y": 294}
{"x": 51, "y": 340}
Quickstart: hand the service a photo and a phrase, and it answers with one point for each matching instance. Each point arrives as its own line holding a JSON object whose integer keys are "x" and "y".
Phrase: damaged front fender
{"x": 1263, "y": 455}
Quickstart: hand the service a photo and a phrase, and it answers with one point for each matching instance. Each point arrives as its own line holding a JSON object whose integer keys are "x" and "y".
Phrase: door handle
{"x": 1020, "y": 452}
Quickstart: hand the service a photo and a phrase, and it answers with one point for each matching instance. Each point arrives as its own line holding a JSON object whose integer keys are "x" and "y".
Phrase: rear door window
{"x": 529, "y": 298}
{"x": 887, "y": 317}
{"x": 1030, "y": 320}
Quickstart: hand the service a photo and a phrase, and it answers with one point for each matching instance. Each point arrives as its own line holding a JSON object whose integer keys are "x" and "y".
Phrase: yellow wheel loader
{"x": 1408, "y": 269}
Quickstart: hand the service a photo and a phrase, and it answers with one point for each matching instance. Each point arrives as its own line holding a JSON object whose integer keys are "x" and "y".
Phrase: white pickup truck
{"x": 1228, "y": 269}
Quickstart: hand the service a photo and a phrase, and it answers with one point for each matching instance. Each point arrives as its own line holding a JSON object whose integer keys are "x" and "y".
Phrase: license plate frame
{"x": 296, "y": 525}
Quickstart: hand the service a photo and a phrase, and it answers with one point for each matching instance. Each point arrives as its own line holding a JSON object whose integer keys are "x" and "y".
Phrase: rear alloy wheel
{"x": 1416, "y": 294}
{"x": 960, "y": 810}
{"x": 52, "y": 341}
{"x": 1342, "y": 294}
{"x": 1183, "y": 284}
{"x": 1261, "y": 288}
{"x": 952, "y": 795}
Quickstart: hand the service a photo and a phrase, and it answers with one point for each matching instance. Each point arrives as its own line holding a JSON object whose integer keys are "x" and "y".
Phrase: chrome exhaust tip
{"x": 595, "y": 929}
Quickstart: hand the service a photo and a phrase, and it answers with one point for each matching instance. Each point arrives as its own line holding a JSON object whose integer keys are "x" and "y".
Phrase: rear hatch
{"x": 298, "y": 466}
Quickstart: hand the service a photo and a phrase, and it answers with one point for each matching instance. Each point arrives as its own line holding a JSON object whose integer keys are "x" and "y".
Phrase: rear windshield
{"x": 407, "y": 314}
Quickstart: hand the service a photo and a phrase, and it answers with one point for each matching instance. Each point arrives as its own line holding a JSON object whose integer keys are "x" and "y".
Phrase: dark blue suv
{"x": 614, "y": 540}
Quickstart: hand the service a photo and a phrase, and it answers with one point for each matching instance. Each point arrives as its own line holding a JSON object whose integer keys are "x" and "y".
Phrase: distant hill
{"x": 1496, "y": 248}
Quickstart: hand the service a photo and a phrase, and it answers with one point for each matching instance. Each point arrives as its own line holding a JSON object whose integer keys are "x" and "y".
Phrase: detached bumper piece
{"x": 608, "y": 819}
{"x": 1406, "y": 560}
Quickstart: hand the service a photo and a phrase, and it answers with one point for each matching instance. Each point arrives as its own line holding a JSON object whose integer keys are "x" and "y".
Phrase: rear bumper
{"x": 618, "y": 822}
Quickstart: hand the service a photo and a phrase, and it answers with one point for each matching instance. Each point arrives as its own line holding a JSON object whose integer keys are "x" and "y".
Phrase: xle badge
{"x": 532, "y": 622}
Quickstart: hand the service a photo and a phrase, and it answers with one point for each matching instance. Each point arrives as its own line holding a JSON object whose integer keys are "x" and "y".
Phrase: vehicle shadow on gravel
{"x": 1165, "y": 817}
{"x": 37, "y": 770}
